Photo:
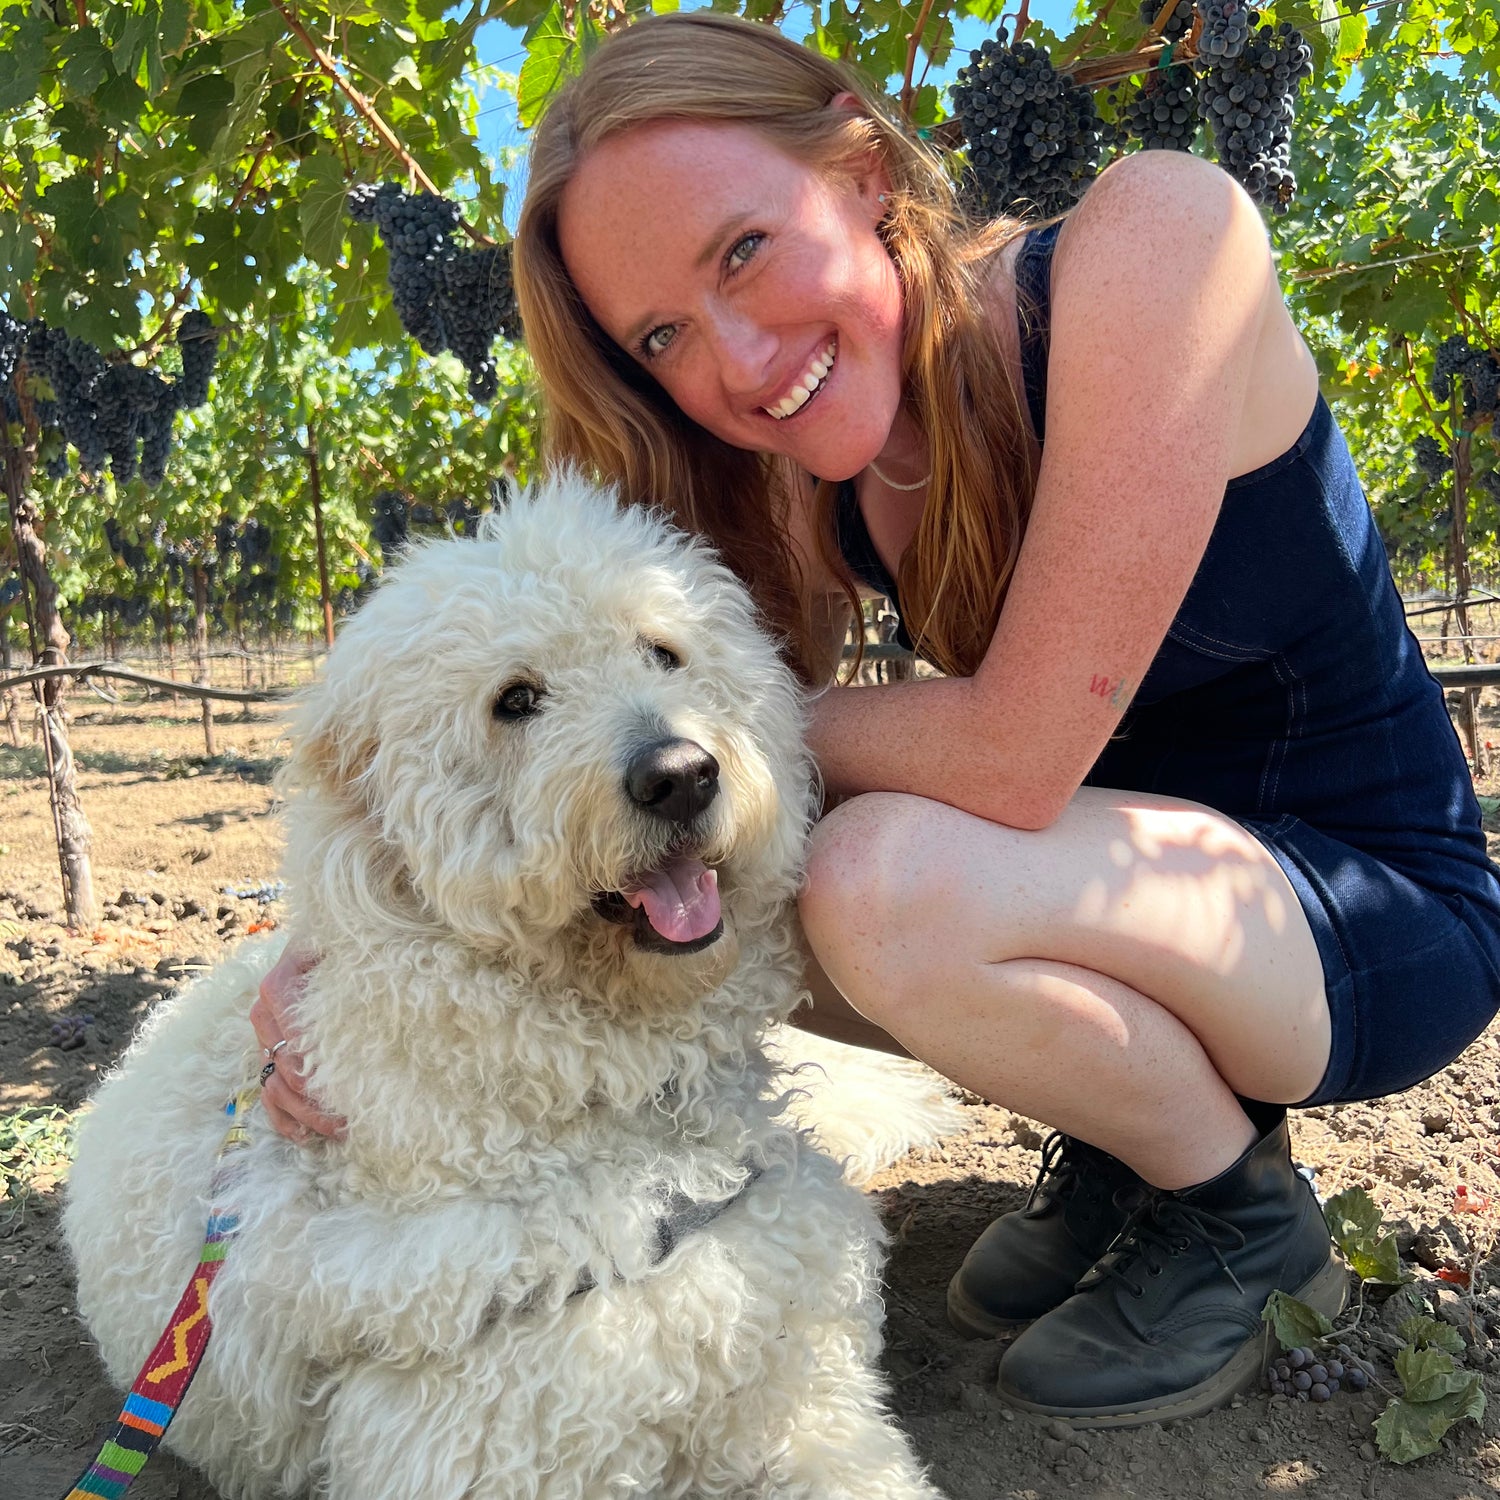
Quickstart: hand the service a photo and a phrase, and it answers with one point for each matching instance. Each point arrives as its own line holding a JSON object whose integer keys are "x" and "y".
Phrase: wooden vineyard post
{"x": 317, "y": 510}
{"x": 1462, "y": 472}
{"x": 49, "y": 647}
{"x": 166, "y": 619}
{"x": 12, "y": 713}
{"x": 200, "y": 650}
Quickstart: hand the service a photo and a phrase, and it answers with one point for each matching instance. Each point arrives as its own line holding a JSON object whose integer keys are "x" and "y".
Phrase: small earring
{"x": 880, "y": 197}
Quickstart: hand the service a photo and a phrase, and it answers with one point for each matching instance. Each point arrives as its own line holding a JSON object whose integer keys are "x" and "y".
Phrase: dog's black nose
{"x": 674, "y": 779}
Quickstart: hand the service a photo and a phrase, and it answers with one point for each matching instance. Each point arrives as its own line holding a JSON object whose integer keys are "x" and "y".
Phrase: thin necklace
{"x": 922, "y": 483}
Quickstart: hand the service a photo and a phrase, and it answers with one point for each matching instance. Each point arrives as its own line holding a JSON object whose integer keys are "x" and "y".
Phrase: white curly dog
{"x": 549, "y": 809}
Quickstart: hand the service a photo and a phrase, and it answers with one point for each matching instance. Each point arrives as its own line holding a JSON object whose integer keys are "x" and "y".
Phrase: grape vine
{"x": 446, "y": 298}
{"x": 1473, "y": 369}
{"x": 1470, "y": 371}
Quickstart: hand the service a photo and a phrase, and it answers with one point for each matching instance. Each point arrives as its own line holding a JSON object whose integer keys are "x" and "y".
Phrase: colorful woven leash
{"x": 169, "y": 1369}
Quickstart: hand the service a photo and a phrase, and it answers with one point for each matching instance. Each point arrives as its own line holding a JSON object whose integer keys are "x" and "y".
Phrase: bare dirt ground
{"x": 175, "y": 838}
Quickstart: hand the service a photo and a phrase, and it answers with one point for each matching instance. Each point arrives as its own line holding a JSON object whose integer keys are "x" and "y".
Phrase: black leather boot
{"x": 1028, "y": 1261}
{"x": 1168, "y": 1324}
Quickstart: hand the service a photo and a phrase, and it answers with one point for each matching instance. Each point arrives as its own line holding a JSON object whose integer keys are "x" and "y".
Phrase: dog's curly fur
{"x": 525, "y": 1085}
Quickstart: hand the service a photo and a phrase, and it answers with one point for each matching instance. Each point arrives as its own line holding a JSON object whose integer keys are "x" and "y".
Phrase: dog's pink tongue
{"x": 681, "y": 899}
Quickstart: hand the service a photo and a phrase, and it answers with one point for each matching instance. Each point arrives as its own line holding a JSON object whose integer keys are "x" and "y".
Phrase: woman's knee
{"x": 863, "y": 871}
{"x": 859, "y": 853}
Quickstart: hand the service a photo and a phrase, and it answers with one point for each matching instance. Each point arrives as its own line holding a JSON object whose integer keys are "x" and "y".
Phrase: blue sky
{"x": 500, "y": 46}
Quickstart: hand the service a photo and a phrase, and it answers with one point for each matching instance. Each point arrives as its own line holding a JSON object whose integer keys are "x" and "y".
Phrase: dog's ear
{"x": 333, "y": 747}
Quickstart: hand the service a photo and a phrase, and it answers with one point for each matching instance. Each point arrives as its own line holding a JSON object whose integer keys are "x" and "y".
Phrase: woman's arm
{"x": 1162, "y": 284}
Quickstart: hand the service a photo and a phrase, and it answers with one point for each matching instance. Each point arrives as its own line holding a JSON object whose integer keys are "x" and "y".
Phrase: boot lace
{"x": 1060, "y": 1175}
{"x": 1162, "y": 1229}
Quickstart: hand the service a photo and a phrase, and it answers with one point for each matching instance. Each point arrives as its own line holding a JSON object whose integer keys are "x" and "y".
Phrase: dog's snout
{"x": 672, "y": 779}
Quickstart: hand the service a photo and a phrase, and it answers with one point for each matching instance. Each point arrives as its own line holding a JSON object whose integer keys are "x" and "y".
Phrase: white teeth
{"x": 796, "y": 398}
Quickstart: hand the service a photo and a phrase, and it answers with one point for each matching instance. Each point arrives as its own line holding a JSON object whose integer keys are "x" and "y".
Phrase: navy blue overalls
{"x": 1290, "y": 695}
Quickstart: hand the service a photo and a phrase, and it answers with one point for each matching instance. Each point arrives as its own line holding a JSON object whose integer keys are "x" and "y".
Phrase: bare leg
{"x": 829, "y": 1014}
{"x": 1120, "y": 975}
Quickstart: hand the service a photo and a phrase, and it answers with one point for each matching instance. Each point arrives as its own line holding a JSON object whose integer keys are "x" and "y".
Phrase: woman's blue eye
{"x": 657, "y": 340}
{"x": 743, "y": 248}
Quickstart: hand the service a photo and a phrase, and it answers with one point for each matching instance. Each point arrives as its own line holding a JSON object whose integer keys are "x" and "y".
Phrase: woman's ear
{"x": 872, "y": 179}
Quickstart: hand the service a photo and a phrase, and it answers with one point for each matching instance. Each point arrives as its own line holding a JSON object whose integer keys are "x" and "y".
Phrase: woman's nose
{"x": 746, "y": 352}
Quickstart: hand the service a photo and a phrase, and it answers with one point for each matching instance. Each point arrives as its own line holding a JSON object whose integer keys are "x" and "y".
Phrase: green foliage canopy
{"x": 156, "y": 154}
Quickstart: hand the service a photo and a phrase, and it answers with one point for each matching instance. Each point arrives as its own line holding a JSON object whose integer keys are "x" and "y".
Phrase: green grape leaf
{"x": 1380, "y": 1262}
{"x": 84, "y": 225}
{"x": 321, "y": 210}
{"x": 25, "y": 55}
{"x": 1408, "y": 1430}
{"x": 77, "y": 132}
{"x": 175, "y": 18}
{"x": 85, "y": 62}
{"x": 1352, "y": 1213}
{"x": 1429, "y": 1374}
{"x": 1423, "y": 1332}
{"x": 1294, "y": 1323}
{"x": 205, "y": 102}
{"x": 1354, "y": 1221}
{"x": 552, "y": 56}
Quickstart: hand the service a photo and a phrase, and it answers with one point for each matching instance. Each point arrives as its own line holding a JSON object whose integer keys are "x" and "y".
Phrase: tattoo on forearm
{"x": 1115, "y": 689}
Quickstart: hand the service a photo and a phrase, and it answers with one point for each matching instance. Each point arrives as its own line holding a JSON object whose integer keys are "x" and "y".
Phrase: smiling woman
{"x": 1182, "y": 835}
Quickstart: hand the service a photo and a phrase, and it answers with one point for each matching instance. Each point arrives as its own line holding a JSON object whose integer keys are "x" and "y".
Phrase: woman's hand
{"x": 284, "y": 1093}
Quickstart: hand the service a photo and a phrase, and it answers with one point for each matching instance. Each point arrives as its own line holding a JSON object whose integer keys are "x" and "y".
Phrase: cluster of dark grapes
{"x": 132, "y": 554}
{"x": 1032, "y": 133}
{"x": 1305, "y": 1375}
{"x": 249, "y": 540}
{"x": 180, "y": 560}
{"x": 259, "y": 566}
{"x": 198, "y": 340}
{"x": 461, "y": 514}
{"x": 1177, "y": 24}
{"x": 1163, "y": 112}
{"x": 254, "y": 545}
{"x": 446, "y": 298}
{"x": 1431, "y": 458}
{"x": 1474, "y": 369}
{"x": 1249, "y": 98}
{"x": 129, "y": 612}
{"x": 259, "y": 585}
{"x": 392, "y": 522}
{"x": 113, "y": 411}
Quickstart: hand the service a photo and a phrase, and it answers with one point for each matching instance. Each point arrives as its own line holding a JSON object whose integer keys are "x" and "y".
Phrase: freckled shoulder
{"x": 1150, "y": 228}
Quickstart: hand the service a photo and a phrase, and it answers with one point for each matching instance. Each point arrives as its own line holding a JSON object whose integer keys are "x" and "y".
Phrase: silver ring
{"x": 269, "y": 1053}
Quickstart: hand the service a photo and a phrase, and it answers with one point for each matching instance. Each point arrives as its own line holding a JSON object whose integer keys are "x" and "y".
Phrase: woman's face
{"x": 754, "y": 290}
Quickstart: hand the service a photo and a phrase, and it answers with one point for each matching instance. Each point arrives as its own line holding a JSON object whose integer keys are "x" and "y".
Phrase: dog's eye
{"x": 518, "y": 701}
{"x": 663, "y": 656}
